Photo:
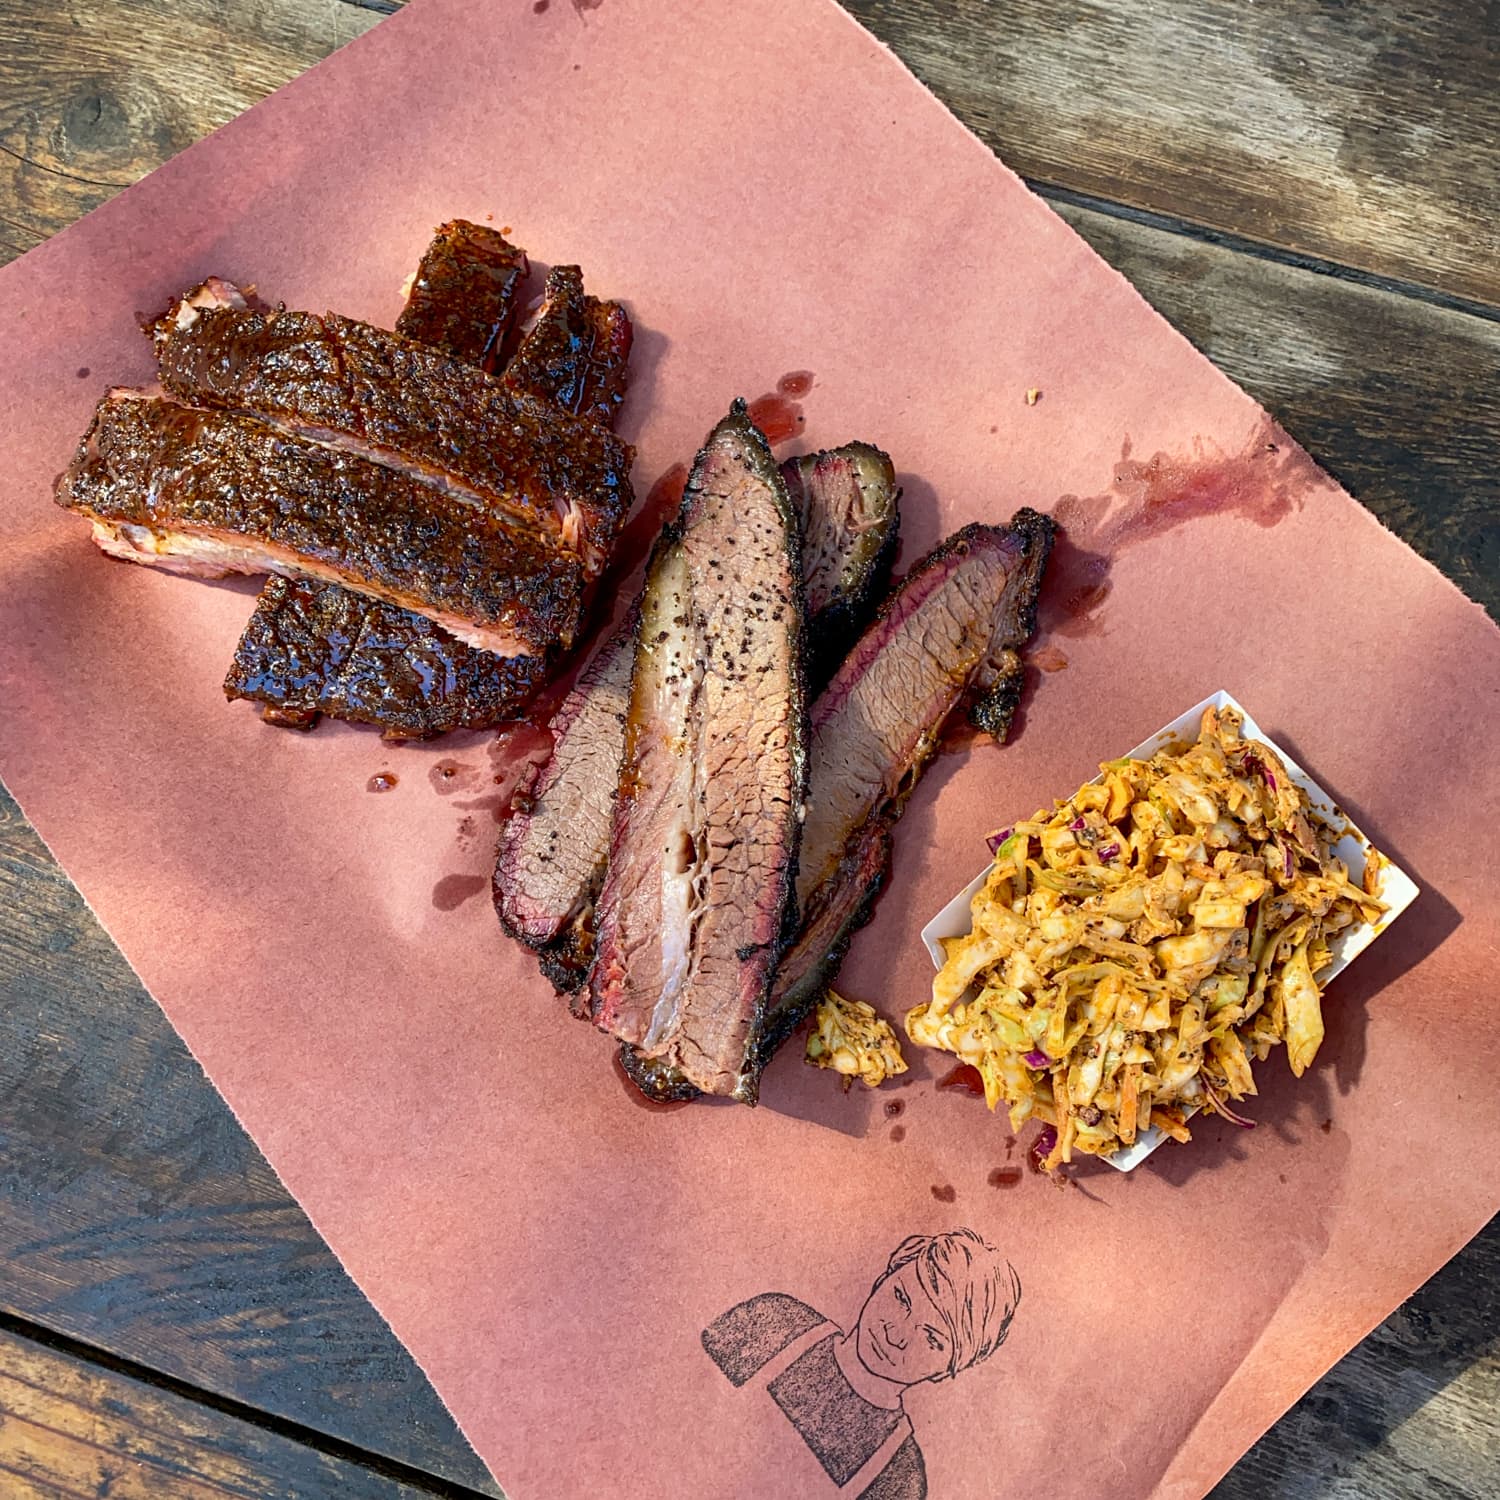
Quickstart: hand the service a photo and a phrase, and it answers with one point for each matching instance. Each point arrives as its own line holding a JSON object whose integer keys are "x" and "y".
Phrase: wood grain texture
{"x": 96, "y": 93}
{"x": 136, "y": 1216}
{"x": 1365, "y": 134}
{"x": 1397, "y": 398}
{"x": 70, "y": 1429}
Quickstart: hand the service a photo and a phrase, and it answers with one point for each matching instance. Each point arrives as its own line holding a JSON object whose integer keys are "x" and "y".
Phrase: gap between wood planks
{"x": 418, "y": 1480}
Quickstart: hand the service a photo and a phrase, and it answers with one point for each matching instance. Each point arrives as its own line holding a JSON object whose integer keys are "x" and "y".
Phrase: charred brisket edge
{"x": 565, "y": 958}
{"x": 841, "y": 622}
{"x": 1038, "y": 533}
{"x": 758, "y": 452}
{"x": 993, "y": 710}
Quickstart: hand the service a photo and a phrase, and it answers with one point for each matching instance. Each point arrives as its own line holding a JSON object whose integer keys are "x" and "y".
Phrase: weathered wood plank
{"x": 1409, "y": 1414}
{"x": 72, "y": 1429}
{"x": 136, "y": 1216}
{"x": 92, "y": 97}
{"x": 1395, "y": 397}
{"x": 1363, "y": 134}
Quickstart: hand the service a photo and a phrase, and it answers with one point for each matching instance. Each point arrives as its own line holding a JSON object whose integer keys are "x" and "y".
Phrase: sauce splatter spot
{"x": 1049, "y": 659}
{"x": 893, "y": 1107}
{"x": 84, "y": 372}
{"x": 898, "y": 1133}
{"x": 382, "y": 781}
{"x": 1004, "y": 1177}
{"x": 795, "y": 383}
{"x": 944, "y": 1194}
{"x": 779, "y": 419}
{"x": 965, "y": 1079}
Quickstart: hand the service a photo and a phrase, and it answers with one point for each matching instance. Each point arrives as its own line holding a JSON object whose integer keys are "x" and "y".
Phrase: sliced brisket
{"x": 951, "y": 630}
{"x": 215, "y": 493}
{"x": 848, "y": 504}
{"x": 703, "y": 843}
{"x": 844, "y": 497}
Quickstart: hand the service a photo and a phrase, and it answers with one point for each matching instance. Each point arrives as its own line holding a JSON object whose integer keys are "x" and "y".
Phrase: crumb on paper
{"x": 1033, "y": 395}
{"x": 849, "y": 1037}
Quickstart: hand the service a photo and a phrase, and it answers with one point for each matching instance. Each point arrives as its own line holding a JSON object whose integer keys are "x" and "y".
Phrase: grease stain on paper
{"x": 1148, "y": 498}
{"x": 779, "y": 418}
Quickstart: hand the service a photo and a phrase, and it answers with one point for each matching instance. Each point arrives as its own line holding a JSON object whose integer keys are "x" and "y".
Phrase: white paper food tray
{"x": 1396, "y": 888}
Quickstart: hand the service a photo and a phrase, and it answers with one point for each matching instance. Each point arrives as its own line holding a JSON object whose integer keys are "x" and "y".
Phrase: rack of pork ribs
{"x": 435, "y": 504}
{"x": 716, "y": 816}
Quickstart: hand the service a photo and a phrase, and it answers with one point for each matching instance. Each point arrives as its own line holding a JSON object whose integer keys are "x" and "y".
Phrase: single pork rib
{"x": 703, "y": 844}
{"x": 463, "y": 295}
{"x": 948, "y": 635}
{"x": 211, "y": 493}
{"x": 411, "y": 408}
{"x": 554, "y": 851}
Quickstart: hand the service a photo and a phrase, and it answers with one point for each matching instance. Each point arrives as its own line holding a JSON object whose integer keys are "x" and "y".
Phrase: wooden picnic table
{"x": 1309, "y": 191}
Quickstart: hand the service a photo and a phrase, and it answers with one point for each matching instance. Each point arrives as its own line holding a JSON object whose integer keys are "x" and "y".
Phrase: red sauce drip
{"x": 1004, "y": 1177}
{"x": 84, "y": 372}
{"x": 453, "y": 890}
{"x": 944, "y": 1194}
{"x": 449, "y": 776}
{"x": 656, "y": 1106}
{"x": 1049, "y": 659}
{"x": 779, "y": 419}
{"x": 1152, "y": 497}
{"x": 382, "y": 781}
{"x": 965, "y": 1079}
{"x": 893, "y": 1107}
{"x": 795, "y": 383}
{"x": 898, "y": 1133}
{"x": 517, "y": 752}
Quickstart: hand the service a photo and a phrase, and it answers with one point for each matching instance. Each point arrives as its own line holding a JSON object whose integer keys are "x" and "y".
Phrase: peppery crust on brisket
{"x": 693, "y": 914}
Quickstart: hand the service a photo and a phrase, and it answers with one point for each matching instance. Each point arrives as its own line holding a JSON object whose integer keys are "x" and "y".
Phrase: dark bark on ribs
{"x": 848, "y": 504}
{"x": 576, "y": 354}
{"x": 549, "y": 904}
{"x": 463, "y": 297}
{"x": 952, "y": 627}
{"x": 417, "y": 410}
{"x": 213, "y": 492}
{"x": 314, "y": 648}
{"x": 703, "y": 844}
{"x": 311, "y": 649}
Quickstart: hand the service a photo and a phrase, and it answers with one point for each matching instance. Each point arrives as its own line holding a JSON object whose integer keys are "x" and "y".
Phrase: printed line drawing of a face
{"x": 900, "y": 1334}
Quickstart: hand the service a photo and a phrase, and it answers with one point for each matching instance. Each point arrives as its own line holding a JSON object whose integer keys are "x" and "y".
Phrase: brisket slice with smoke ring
{"x": 949, "y": 632}
{"x": 554, "y": 852}
{"x": 443, "y": 422}
{"x": 212, "y": 493}
{"x": 703, "y": 844}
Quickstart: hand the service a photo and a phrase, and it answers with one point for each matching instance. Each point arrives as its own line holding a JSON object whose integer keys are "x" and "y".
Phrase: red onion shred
{"x": 994, "y": 841}
{"x": 1036, "y": 1058}
{"x": 1222, "y": 1108}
